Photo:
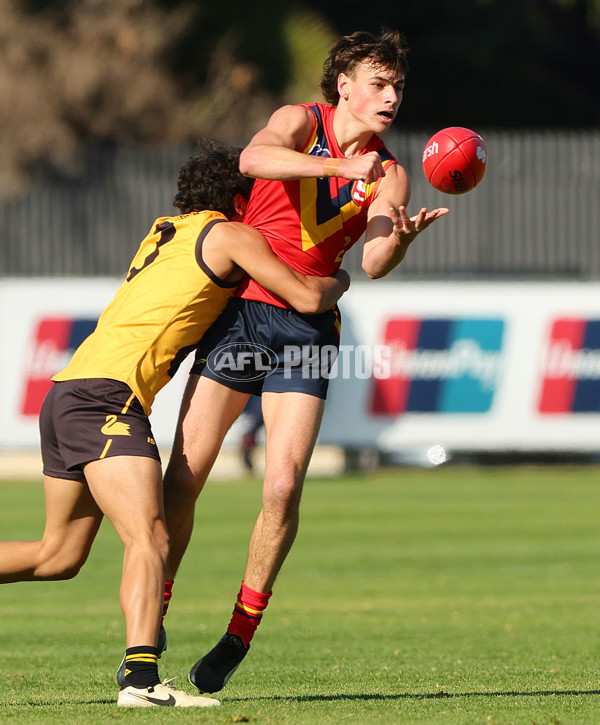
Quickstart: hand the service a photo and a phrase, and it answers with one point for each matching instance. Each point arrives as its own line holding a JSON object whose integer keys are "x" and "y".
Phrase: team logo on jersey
{"x": 449, "y": 365}
{"x": 571, "y": 367}
{"x": 53, "y": 343}
{"x": 359, "y": 192}
{"x": 115, "y": 427}
{"x": 242, "y": 361}
{"x": 317, "y": 150}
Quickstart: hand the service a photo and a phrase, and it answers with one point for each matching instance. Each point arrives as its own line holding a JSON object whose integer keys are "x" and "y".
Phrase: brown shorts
{"x": 87, "y": 420}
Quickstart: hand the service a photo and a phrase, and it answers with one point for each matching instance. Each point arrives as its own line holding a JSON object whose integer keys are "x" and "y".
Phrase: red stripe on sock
{"x": 167, "y": 599}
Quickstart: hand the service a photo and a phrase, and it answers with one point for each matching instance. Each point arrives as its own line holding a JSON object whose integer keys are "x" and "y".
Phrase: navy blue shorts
{"x": 254, "y": 347}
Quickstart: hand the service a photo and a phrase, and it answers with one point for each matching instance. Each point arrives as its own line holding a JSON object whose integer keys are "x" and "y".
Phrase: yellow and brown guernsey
{"x": 158, "y": 315}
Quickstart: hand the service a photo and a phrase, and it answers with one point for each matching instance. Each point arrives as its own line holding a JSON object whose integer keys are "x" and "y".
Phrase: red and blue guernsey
{"x": 310, "y": 223}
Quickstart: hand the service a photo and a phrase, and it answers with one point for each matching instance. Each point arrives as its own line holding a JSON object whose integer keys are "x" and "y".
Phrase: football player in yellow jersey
{"x": 99, "y": 454}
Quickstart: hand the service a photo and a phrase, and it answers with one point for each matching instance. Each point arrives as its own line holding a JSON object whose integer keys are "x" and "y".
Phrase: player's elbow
{"x": 309, "y": 303}
{"x": 246, "y": 163}
{"x": 373, "y": 273}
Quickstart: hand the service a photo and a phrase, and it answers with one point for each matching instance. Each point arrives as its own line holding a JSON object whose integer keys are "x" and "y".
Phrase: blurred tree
{"x": 83, "y": 72}
{"x": 234, "y": 69}
{"x": 79, "y": 72}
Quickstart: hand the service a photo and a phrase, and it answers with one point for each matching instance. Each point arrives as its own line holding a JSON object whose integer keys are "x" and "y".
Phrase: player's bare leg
{"x": 128, "y": 489}
{"x": 292, "y": 423}
{"x": 208, "y": 410}
{"x": 72, "y": 522}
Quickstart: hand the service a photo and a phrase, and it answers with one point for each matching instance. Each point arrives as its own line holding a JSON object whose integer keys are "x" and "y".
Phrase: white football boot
{"x": 162, "y": 695}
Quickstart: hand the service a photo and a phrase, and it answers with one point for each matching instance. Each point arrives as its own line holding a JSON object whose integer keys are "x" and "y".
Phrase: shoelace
{"x": 167, "y": 683}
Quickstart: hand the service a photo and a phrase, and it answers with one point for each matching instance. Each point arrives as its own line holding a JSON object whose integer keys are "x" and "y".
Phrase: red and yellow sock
{"x": 247, "y": 613}
{"x": 167, "y": 599}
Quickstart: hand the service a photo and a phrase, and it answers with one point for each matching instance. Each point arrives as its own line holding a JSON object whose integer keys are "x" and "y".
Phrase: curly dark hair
{"x": 210, "y": 179}
{"x": 387, "y": 50}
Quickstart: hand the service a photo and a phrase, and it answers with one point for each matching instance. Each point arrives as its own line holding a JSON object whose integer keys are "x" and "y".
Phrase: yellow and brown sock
{"x": 141, "y": 666}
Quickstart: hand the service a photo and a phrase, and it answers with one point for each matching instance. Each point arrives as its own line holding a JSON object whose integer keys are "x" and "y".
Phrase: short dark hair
{"x": 388, "y": 50}
{"x": 210, "y": 179}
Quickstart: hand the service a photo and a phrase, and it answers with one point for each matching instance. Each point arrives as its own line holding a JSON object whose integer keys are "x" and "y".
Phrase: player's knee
{"x": 281, "y": 496}
{"x": 182, "y": 486}
{"x": 150, "y": 543}
{"x": 69, "y": 571}
{"x": 60, "y": 566}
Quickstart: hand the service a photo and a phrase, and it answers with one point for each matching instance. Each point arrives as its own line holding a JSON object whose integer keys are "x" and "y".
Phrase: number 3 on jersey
{"x": 167, "y": 232}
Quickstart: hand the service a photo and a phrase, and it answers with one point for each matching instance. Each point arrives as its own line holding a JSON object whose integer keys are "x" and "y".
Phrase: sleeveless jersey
{"x": 310, "y": 223}
{"x": 160, "y": 312}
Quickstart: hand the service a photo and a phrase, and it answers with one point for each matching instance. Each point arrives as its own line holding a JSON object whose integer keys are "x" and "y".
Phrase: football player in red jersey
{"x": 324, "y": 177}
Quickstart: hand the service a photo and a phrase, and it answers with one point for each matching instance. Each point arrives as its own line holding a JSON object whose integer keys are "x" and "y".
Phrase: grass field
{"x": 454, "y": 595}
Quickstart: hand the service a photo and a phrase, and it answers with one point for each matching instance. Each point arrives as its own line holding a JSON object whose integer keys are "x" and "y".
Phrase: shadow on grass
{"x": 336, "y": 698}
{"x": 61, "y": 704}
{"x": 415, "y": 696}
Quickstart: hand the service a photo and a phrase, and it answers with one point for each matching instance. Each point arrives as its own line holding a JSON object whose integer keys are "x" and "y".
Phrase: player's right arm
{"x": 273, "y": 152}
{"x": 233, "y": 248}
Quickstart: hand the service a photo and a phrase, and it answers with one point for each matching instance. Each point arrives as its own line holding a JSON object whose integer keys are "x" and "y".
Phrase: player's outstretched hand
{"x": 406, "y": 227}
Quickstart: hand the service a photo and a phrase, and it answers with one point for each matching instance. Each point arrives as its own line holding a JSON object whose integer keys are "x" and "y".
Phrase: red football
{"x": 455, "y": 160}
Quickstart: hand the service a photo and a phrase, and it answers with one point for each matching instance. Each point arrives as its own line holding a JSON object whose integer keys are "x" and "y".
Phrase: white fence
{"x": 536, "y": 213}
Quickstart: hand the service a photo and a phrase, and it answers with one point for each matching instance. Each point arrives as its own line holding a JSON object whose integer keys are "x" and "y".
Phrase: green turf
{"x": 454, "y": 595}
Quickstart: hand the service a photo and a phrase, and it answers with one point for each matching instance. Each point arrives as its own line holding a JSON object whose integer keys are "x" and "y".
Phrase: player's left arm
{"x": 390, "y": 230}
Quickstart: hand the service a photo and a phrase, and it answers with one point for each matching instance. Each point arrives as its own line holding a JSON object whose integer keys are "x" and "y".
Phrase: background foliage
{"x": 82, "y": 72}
